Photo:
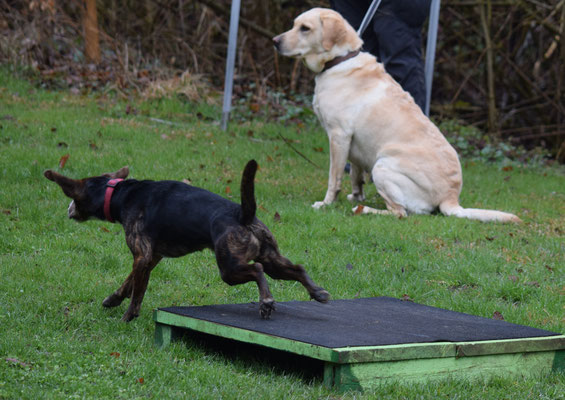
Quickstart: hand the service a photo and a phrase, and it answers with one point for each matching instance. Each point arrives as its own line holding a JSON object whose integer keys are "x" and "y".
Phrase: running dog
{"x": 171, "y": 219}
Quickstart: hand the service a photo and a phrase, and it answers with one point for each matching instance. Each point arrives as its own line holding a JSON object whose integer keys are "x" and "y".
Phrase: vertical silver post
{"x": 431, "y": 52}
{"x": 230, "y": 62}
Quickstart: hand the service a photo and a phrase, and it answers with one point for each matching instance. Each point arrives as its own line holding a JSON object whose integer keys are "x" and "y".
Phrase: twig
{"x": 244, "y": 22}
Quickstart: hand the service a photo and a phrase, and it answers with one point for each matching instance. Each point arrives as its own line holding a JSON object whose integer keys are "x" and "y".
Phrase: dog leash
{"x": 369, "y": 16}
{"x": 110, "y": 186}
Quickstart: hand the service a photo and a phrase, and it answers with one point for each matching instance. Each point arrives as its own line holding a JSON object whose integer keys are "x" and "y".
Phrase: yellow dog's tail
{"x": 456, "y": 210}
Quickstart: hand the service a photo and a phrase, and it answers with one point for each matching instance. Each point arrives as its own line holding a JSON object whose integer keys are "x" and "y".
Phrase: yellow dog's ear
{"x": 333, "y": 30}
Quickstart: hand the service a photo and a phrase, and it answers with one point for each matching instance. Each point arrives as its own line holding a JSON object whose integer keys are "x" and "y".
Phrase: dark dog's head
{"x": 87, "y": 194}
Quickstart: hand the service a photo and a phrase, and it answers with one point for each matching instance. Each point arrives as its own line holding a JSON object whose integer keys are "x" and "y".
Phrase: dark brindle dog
{"x": 171, "y": 219}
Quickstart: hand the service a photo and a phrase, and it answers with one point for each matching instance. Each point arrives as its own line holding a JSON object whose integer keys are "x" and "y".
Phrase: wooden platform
{"x": 363, "y": 342}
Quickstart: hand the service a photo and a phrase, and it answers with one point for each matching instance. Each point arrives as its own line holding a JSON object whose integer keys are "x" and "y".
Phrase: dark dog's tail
{"x": 248, "y": 205}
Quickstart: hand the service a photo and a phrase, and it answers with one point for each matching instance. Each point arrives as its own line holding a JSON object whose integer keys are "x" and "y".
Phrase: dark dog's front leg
{"x": 116, "y": 298}
{"x": 135, "y": 284}
{"x": 142, "y": 267}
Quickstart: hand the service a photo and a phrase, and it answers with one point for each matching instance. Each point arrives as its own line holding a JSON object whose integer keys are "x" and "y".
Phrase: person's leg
{"x": 400, "y": 50}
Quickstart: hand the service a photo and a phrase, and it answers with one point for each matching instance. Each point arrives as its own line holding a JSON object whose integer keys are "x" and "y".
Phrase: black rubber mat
{"x": 361, "y": 322}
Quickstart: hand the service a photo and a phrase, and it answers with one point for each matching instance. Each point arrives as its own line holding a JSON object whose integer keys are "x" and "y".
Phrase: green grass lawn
{"x": 57, "y": 341}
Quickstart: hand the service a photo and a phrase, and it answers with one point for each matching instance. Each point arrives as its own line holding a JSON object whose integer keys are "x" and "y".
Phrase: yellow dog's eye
{"x": 304, "y": 28}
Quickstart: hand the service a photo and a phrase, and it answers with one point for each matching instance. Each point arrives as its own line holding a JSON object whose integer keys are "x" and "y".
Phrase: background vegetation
{"x": 500, "y": 64}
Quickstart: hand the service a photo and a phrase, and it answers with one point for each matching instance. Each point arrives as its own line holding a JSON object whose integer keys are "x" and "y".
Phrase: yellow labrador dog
{"x": 374, "y": 123}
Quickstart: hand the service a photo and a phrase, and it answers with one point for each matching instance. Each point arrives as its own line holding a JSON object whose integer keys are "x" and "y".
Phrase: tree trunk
{"x": 91, "y": 40}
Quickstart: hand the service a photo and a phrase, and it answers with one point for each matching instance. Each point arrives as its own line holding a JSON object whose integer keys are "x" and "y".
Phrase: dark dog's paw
{"x": 112, "y": 301}
{"x": 128, "y": 316}
{"x": 266, "y": 307}
{"x": 321, "y": 295}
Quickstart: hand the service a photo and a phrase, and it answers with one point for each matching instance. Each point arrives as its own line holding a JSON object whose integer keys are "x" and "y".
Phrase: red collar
{"x": 108, "y": 197}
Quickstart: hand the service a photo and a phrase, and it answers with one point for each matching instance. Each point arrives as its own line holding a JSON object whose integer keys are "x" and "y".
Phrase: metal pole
{"x": 368, "y": 17}
{"x": 230, "y": 62}
{"x": 431, "y": 52}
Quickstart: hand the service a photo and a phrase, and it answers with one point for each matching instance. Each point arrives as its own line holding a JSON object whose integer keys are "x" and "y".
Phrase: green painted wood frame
{"x": 368, "y": 366}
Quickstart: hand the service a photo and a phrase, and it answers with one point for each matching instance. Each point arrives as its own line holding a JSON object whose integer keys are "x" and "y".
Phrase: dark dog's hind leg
{"x": 279, "y": 267}
{"x": 235, "y": 271}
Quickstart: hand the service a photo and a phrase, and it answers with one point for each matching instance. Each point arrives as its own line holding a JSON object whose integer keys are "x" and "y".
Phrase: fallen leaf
{"x": 490, "y": 238}
{"x": 104, "y": 229}
{"x": 250, "y": 133}
{"x": 141, "y": 380}
{"x": 228, "y": 190}
{"x": 349, "y": 267}
{"x": 513, "y": 278}
{"x": 270, "y": 159}
{"x": 507, "y": 168}
{"x": 405, "y": 297}
{"x": 62, "y": 144}
{"x": 549, "y": 268}
{"x": 532, "y": 283}
{"x": 359, "y": 209}
{"x": 63, "y": 161}
{"x": 255, "y": 107}
{"x": 498, "y": 316}
{"x": 8, "y": 212}
{"x": 115, "y": 354}
{"x": 277, "y": 217}
{"x": 53, "y": 129}
{"x": 187, "y": 181}
{"x": 319, "y": 149}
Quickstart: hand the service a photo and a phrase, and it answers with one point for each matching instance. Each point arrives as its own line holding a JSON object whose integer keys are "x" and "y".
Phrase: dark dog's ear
{"x": 122, "y": 173}
{"x": 71, "y": 187}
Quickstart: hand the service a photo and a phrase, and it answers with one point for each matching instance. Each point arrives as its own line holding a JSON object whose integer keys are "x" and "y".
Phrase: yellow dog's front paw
{"x": 319, "y": 204}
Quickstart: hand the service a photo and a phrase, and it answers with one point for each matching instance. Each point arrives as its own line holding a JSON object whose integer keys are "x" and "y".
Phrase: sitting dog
{"x": 171, "y": 219}
{"x": 374, "y": 123}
